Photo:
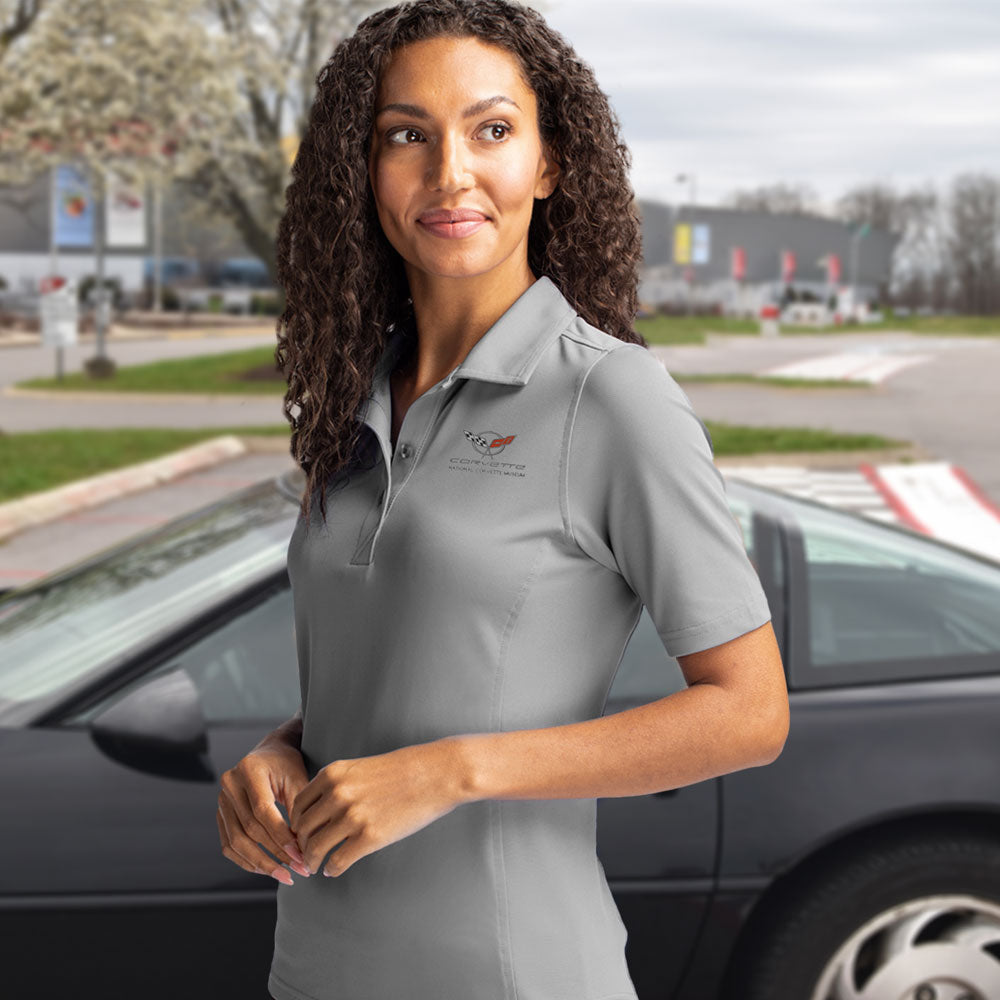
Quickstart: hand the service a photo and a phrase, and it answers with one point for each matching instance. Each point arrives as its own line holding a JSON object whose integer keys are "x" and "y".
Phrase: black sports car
{"x": 863, "y": 864}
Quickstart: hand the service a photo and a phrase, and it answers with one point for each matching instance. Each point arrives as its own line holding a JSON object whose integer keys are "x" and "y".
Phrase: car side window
{"x": 876, "y": 594}
{"x": 246, "y": 670}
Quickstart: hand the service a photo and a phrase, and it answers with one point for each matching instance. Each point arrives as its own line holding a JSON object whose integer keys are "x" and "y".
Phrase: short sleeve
{"x": 642, "y": 495}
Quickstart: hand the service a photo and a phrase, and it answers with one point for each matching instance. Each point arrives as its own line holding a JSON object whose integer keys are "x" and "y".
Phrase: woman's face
{"x": 457, "y": 128}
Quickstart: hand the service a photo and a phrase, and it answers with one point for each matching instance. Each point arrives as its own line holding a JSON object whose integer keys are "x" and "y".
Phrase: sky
{"x": 742, "y": 94}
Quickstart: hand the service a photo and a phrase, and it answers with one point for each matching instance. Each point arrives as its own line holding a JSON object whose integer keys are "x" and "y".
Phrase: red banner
{"x": 833, "y": 269}
{"x": 738, "y": 263}
{"x": 787, "y": 265}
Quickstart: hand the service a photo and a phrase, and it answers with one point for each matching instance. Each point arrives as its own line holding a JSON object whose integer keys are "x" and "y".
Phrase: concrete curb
{"x": 830, "y": 459}
{"x": 49, "y": 504}
{"x": 112, "y": 395}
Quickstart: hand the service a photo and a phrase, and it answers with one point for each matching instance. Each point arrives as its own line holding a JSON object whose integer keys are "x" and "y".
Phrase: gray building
{"x": 25, "y": 257}
{"x": 702, "y": 276}
{"x": 702, "y": 272}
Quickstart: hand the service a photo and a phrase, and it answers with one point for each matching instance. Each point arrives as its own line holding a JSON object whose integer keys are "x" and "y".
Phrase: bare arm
{"x": 733, "y": 715}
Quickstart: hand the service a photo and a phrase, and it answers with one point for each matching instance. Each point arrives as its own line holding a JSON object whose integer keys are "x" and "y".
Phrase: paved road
{"x": 949, "y": 405}
{"x": 38, "y": 550}
{"x": 25, "y": 414}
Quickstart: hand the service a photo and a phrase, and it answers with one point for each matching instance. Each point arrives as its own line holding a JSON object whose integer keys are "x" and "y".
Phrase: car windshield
{"x": 56, "y": 633}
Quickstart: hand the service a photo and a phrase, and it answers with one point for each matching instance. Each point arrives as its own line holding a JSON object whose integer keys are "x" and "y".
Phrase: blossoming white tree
{"x": 199, "y": 93}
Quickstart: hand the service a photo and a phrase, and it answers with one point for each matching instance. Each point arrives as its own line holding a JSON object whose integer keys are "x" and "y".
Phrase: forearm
{"x": 694, "y": 734}
{"x": 289, "y": 732}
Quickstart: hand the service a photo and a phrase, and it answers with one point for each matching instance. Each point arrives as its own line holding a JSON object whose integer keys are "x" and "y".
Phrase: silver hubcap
{"x": 933, "y": 948}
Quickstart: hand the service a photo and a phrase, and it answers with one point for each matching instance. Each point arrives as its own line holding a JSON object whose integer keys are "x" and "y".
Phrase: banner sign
{"x": 738, "y": 263}
{"x": 682, "y": 243}
{"x": 125, "y": 214}
{"x": 701, "y": 249}
{"x": 73, "y": 221}
{"x": 787, "y": 265}
{"x": 833, "y": 269}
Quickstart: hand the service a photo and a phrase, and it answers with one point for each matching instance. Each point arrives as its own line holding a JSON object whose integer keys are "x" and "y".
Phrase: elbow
{"x": 774, "y": 735}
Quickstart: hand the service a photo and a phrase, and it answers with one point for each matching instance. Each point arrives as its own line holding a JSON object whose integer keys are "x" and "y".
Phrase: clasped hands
{"x": 371, "y": 802}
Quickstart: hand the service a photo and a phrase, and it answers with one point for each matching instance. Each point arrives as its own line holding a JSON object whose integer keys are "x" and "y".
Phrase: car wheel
{"x": 916, "y": 919}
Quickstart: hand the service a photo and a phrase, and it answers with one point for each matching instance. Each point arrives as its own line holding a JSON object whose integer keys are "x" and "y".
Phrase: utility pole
{"x": 856, "y": 237}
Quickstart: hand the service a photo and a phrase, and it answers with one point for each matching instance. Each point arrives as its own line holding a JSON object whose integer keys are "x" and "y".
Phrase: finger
{"x": 241, "y": 849}
{"x": 351, "y": 850}
{"x": 305, "y": 797}
{"x": 261, "y": 821}
{"x": 328, "y": 836}
{"x": 322, "y": 827}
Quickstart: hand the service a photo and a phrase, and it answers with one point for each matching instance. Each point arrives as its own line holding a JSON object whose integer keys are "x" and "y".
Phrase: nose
{"x": 449, "y": 168}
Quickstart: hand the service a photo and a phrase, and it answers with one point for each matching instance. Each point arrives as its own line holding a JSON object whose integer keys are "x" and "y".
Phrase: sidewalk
{"x": 49, "y": 531}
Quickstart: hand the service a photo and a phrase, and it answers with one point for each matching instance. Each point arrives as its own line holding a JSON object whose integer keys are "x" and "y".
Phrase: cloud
{"x": 829, "y": 94}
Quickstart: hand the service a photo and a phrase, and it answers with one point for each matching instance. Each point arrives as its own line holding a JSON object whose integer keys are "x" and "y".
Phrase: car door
{"x": 120, "y": 867}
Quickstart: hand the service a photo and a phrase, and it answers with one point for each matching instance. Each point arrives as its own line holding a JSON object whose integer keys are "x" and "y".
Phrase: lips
{"x": 452, "y": 215}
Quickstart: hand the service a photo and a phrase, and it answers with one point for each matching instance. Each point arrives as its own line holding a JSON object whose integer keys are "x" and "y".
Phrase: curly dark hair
{"x": 345, "y": 285}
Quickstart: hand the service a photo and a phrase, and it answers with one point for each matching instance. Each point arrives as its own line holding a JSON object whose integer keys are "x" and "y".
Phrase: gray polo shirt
{"x": 486, "y": 575}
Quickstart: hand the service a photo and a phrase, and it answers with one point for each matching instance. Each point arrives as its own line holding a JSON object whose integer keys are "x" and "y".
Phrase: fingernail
{"x": 294, "y": 852}
{"x": 301, "y": 869}
{"x": 282, "y": 876}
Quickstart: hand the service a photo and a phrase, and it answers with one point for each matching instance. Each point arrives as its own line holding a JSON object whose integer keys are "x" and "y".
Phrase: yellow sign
{"x": 682, "y": 244}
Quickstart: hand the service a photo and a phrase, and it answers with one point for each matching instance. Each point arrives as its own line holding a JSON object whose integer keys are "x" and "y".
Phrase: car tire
{"x": 915, "y": 917}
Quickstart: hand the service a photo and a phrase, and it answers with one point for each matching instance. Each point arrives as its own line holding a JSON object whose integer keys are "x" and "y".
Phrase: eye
{"x": 502, "y": 125}
{"x": 403, "y": 130}
{"x": 406, "y": 130}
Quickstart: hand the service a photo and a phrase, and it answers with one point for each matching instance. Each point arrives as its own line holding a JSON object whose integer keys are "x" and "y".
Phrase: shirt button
{"x": 405, "y": 451}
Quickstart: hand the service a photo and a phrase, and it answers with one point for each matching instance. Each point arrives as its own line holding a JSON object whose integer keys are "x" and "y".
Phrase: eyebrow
{"x": 473, "y": 109}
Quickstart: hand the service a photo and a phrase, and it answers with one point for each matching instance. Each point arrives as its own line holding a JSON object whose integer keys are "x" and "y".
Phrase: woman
{"x": 500, "y": 475}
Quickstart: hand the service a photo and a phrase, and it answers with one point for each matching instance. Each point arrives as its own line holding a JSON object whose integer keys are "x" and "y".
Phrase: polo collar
{"x": 510, "y": 350}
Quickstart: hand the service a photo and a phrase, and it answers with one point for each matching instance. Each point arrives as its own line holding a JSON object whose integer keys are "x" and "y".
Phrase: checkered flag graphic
{"x": 478, "y": 440}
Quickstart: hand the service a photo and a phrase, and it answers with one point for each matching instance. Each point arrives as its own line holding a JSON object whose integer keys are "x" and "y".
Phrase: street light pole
{"x": 856, "y": 237}
{"x": 688, "y": 178}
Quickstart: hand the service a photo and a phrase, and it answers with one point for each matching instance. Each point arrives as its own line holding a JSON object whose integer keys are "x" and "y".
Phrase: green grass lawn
{"x": 41, "y": 460}
{"x": 778, "y": 380}
{"x": 219, "y": 373}
{"x": 692, "y": 329}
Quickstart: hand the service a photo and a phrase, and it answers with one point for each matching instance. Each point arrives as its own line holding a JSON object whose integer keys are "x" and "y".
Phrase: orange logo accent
{"x": 500, "y": 442}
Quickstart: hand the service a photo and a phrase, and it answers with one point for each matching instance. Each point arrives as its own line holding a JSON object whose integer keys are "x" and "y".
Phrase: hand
{"x": 248, "y": 817}
{"x": 373, "y": 802}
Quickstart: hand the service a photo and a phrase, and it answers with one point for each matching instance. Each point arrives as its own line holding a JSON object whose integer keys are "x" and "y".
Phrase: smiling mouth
{"x": 452, "y": 222}
{"x": 445, "y": 228}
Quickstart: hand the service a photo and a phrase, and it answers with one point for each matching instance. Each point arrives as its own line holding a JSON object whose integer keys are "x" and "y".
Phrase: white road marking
{"x": 848, "y": 366}
{"x": 933, "y": 498}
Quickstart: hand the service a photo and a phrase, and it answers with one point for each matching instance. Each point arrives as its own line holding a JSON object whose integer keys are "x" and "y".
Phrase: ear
{"x": 549, "y": 174}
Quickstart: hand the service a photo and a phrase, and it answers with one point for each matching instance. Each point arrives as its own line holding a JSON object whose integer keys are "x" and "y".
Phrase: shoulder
{"x": 626, "y": 393}
{"x": 614, "y": 374}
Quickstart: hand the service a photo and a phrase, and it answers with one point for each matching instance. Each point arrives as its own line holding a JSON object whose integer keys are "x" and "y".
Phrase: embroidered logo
{"x": 490, "y": 443}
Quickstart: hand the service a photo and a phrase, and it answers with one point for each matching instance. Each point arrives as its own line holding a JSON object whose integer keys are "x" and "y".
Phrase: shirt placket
{"x": 398, "y": 466}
